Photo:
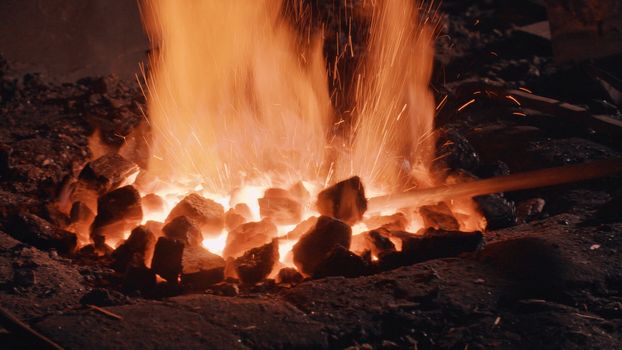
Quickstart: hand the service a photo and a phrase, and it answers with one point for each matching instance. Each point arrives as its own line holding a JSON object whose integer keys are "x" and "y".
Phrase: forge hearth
{"x": 315, "y": 174}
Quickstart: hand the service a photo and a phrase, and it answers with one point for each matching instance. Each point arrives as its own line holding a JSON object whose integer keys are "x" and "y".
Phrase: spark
{"x": 513, "y": 99}
{"x": 471, "y": 101}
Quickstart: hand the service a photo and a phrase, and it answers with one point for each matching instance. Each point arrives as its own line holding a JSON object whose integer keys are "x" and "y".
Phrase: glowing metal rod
{"x": 514, "y": 182}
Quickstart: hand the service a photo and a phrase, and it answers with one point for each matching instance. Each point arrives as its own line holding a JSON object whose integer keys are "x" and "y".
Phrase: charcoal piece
{"x": 395, "y": 222}
{"x": 139, "y": 245}
{"x": 300, "y": 192}
{"x": 201, "y": 268}
{"x": 455, "y": 152}
{"x": 344, "y": 201}
{"x": 256, "y": 264}
{"x": 498, "y": 211}
{"x": 153, "y": 203}
{"x": 103, "y": 297}
{"x": 155, "y": 227}
{"x": 341, "y": 262}
{"x": 81, "y": 218}
{"x": 139, "y": 277}
{"x": 390, "y": 260}
{"x": 83, "y": 193}
{"x": 435, "y": 244}
{"x": 529, "y": 209}
{"x": 95, "y": 250}
{"x": 238, "y": 215}
{"x": 32, "y": 229}
{"x": 280, "y": 206}
{"x": 288, "y": 275}
{"x": 119, "y": 211}
{"x": 207, "y": 215}
{"x": 301, "y": 228}
{"x": 183, "y": 229}
{"x": 5, "y": 160}
{"x": 167, "y": 258}
{"x": 319, "y": 241}
{"x": 375, "y": 241}
{"x": 439, "y": 217}
{"x": 248, "y": 236}
{"x": 227, "y": 289}
{"x": 108, "y": 173}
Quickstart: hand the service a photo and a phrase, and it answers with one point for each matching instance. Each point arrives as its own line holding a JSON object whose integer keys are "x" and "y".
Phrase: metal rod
{"x": 514, "y": 182}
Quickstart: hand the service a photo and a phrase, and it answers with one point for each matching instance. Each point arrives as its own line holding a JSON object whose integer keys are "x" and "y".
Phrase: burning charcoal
{"x": 439, "y": 217}
{"x": 288, "y": 275}
{"x": 318, "y": 242}
{"x": 34, "y": 230}
{"x": 395, "y": 222}
{"x": 247, "y": 236}
{"x": 300, "y": 192}
{"x": 344, "y": 201}
{"x": 375, "y": 241}
{"x": 529, "y": 209}
{"x": 498, "y": 211}
{"x": 302, "y": 228}
{"x": 140, "y": 244}
{"x": 167, "y": 258}
{"x": 341, "y": 262}
{"x": 118, "y": 212}
{"x": 238, "y": 215}
{"x": 280, "y": 206}
{"x": 155, "y": 227}
{"x": 108, "y": 173}
{"x": 182, "y": 229}
{"x": 256, "y": 264}
{"x": 435, "y": 244}
{"x": 207, "y": 215}
{"x": 201, "y": 268}
{"x": 153, "y": 203}
{"x": 138, "y": 276}
{"x": 81, "y": 218}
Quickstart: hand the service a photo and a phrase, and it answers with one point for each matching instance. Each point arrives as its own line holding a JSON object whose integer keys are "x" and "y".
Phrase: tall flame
{"x": 394, "y": 108}
{"x": 233, "y": 95}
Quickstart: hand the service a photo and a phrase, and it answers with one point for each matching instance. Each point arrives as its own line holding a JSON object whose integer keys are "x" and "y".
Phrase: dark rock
{"x": 341, "y": 262}
{"x": 280, "y": 206}
{"x": 103, "y": 297}
{"x": 435, "y": 244}
{"x": 227, "y": 289}
{"x": 288, "y": 275}
{"x": 183, "y": 229}
{"x": 139, "y": 245}
{"x": 439, "y": 217}
{"x": 395, "y": 222}
{"x": 257, "y": 263}
{"x": 344, "y": 201}
{"x": 201, "y": 268}
{"x": 167, "y": 258}
{"x": 318, "y": 242}
{"x": 498, "y": 211}
{"x": 31, "y": 229}
{"x": 529, "y": 209}
{"x": 455, "y": 152}
{"x": 119, "y": 211}
{"x": 139, "y": 277}
{"x": 237, "y": 216}
{"x": 207, "y": 215}
{"x": 108, "y": 173}
{"x": 153, "y": 203}
{"x": 248, "y": 236}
